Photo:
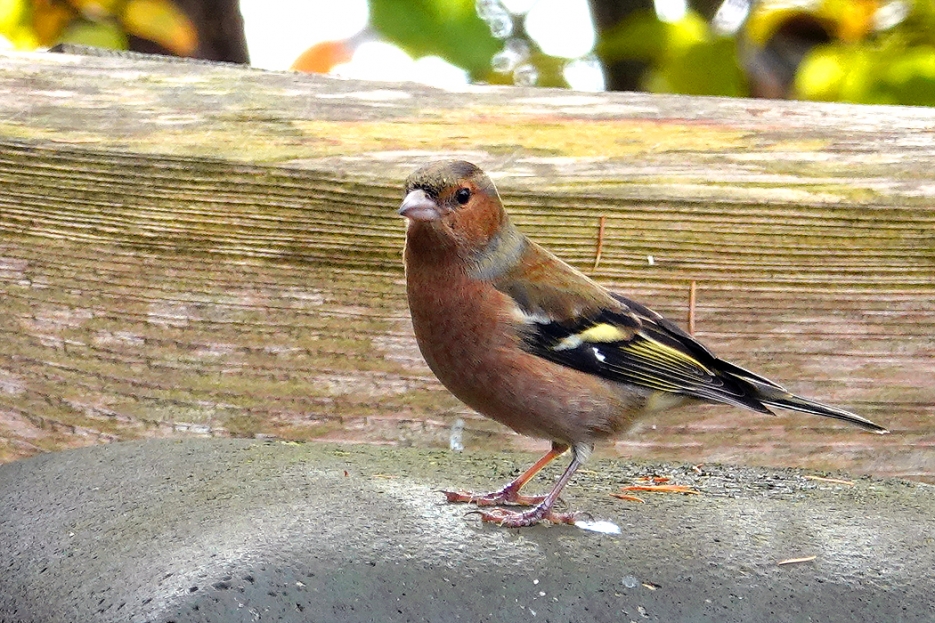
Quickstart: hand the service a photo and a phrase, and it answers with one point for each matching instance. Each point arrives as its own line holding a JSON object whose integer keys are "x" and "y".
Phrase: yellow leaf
{"x": 855, "y": 20}
{"x": 11, "y": 15}
{"x": 686, "y": 32}
{"x": 161, "y": 21}
{"x": 16, "y": 25}
{"x": 96, "y": 9}
{"x": 820, "y": 75}
{"x": 49, "y": 20}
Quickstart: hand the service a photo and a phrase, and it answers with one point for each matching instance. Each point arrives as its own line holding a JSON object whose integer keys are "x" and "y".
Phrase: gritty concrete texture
{"x": 236, "y": 530}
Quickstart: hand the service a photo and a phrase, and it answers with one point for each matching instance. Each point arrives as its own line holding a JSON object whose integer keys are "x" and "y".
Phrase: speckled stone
{"x": 220, "y": 530}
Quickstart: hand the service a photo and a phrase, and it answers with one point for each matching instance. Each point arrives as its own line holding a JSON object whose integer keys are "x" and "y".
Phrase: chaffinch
{"x": 525, "y": 339}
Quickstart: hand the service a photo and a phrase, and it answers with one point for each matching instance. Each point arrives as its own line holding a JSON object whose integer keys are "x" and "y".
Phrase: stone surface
{"x": 237, "y": 530}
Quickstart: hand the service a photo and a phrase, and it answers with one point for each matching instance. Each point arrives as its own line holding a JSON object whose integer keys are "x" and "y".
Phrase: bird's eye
{"x": 462, "y": 195}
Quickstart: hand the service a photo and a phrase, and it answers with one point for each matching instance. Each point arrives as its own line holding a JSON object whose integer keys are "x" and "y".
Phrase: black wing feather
{"x": 652, "y": 353}
{"x": 633, "y": 344}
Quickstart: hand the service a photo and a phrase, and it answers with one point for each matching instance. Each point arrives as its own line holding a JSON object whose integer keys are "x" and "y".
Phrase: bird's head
{"x": 456, "y": 201}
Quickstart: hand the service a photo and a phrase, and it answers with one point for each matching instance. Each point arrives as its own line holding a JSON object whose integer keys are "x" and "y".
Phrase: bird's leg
{"x": 543, "y": 510}
{"x": 510, "y": 493}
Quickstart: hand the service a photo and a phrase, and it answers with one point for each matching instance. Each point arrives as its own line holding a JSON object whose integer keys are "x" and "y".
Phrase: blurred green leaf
{"x": 702, "y": 68}
{"x": 97, "y": 34}
{"x": 640, "y": 35}
{"x": 869, "y": 74}
{"x": 911, "y": 77}
{"x": 686, "y": 57}
{"x": 450, "y": 29}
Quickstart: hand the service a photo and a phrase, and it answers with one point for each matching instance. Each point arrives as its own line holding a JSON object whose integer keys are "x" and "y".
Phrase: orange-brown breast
{"x": 471, "y": 342}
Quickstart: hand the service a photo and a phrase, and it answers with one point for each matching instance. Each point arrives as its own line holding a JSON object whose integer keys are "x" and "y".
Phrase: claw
{"x": 521, "y": 519}
{"x": 505, "y": 496}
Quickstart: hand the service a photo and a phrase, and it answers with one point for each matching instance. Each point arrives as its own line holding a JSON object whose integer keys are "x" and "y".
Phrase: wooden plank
{"x": 206, "y": 248}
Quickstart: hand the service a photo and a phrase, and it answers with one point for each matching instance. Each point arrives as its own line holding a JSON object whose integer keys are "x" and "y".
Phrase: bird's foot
{"x": 521, "y": 519}
{"x": 508, "y": 495}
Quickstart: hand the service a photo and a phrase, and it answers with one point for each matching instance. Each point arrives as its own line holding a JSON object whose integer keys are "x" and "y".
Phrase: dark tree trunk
{"x": 220, "y": 31}
{"x": 625, "y": 74}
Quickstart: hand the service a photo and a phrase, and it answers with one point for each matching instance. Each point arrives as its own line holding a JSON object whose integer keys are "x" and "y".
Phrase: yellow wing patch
{"x": 602, "y": 333}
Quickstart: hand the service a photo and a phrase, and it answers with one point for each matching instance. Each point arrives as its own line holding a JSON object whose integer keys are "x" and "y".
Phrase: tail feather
{"x": 770, "y": 394}
{"x": 797, "y": 403}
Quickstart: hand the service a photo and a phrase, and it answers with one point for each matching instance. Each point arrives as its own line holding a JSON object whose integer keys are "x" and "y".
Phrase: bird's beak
{"x": 418, "y": 206}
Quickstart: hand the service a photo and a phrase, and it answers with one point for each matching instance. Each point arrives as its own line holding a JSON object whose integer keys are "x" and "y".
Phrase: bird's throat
{"x": 502, "y": 252}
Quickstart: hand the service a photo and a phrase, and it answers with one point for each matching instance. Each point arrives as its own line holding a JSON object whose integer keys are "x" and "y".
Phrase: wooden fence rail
{"x": 208, "y": 249}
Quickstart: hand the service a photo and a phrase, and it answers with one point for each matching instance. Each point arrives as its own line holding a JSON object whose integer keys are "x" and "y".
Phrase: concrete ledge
{"x": 237, "y": 530}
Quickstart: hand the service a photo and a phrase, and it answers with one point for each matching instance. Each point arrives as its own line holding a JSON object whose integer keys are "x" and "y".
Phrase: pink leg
{"x": 510, "y": 493}
{"x": 543, "y": 510}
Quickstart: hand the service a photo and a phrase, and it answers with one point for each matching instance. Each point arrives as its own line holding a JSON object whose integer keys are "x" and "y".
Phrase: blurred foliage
{"x": 888, "y": 57}
{"x": 450, "y": 29}
{"x": 862, "y": 51}
{"x": 29, "y": 24}
{"x": 868, "y": 51}
{"x": 455, "y": 31}
{"x": 684, "y": 56}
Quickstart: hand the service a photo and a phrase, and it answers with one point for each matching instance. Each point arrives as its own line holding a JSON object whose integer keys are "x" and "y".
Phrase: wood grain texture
{"x": 198, "y": 249}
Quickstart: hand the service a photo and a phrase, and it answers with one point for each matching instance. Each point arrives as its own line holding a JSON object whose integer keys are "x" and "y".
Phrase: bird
{"x": 531, "y": 342}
